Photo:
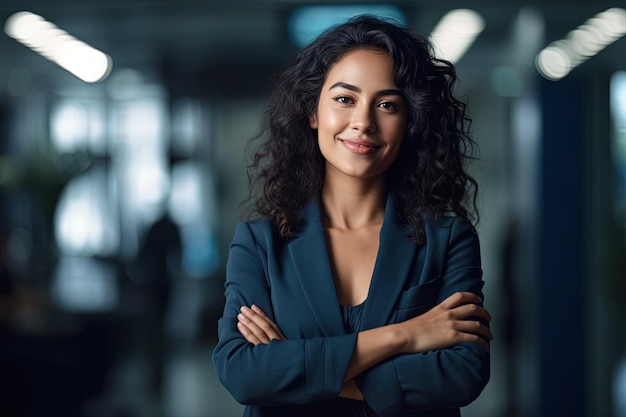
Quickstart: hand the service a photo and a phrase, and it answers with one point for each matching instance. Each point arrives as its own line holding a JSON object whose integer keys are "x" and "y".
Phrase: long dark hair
{"x": 429, "y": 174}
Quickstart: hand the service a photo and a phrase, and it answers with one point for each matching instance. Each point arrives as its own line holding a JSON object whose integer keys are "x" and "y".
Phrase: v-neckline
{"x": 333, "y": 268}
{"x": 309, "y": 253}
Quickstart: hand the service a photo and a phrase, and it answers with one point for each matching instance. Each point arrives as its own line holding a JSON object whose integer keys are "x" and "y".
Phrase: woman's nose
{"x": 363, "y": 120}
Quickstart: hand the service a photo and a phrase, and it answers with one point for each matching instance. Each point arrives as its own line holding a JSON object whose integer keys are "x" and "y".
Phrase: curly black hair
{"x": 428, "y": 176}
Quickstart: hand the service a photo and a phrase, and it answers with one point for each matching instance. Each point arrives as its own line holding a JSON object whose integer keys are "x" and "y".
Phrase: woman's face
{"x": 361, "y": 115}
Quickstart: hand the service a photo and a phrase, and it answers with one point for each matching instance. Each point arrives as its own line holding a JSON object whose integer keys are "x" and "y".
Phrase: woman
{"x": 358, "y": 290}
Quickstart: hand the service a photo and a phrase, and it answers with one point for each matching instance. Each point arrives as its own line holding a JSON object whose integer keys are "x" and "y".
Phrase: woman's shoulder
{"x": 447, "y": 226}
{"x": 256, "y": 226}
{"x": 258, "y": 230}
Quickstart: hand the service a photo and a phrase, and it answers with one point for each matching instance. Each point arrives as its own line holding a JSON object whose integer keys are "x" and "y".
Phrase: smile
{"x": 360, "y": 147}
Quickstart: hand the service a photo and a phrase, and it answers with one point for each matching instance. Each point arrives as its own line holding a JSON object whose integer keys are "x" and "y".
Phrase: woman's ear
{"x": 313, "y": 120}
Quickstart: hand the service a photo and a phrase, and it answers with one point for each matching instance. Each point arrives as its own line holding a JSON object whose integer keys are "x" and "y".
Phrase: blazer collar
{"x": 309, "y": 254}
{"x": 396, "y": 254}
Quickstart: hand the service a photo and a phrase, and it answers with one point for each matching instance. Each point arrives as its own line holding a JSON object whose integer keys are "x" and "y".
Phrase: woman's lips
{"x": 359, "y": 146}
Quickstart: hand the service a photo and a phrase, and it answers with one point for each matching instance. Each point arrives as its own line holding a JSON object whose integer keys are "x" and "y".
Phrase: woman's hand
{"x": 256, "y": 327}
{"x": 447, "y": 324}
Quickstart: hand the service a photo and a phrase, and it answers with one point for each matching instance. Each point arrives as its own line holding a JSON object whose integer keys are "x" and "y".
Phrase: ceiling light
{"x": 455, "y": 33}
{"x": 560, "y": 57}
{"x": 45, "y": 38}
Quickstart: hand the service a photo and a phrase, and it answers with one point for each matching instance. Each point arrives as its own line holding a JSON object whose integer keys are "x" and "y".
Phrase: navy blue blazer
{"x": 291, "y": 281}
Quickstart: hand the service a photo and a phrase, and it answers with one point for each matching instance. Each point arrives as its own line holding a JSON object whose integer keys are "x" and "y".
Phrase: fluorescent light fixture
{"x": 559, "y": 58}
{"x": 307, "y": 23}
{"x": 45, "y": 38}
{"x": 455, "y": 33}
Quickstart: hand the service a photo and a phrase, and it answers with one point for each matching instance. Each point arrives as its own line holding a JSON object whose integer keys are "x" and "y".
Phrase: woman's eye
{"x": 343, "y": 100}
{"x": 388, "y": 105}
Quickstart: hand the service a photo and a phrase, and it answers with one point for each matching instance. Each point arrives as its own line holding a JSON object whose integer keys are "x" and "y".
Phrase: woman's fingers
{"x": 473, "y": 338}
{"x": 247, "y": 334}
{"x": 457, "y": 319}
{"x": 470, "y": 310}
{"x": 256, "y": 327}
{"x": 260, "y": 312}
{"x": 461, "y": 308}
{"x": 475, "y": 328}
{"x": 460, "y": 298}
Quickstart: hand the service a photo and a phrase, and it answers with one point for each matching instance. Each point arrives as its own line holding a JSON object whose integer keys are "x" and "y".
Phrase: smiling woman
{"x": 361, "y": 111}
{"x": 358, "y": 289}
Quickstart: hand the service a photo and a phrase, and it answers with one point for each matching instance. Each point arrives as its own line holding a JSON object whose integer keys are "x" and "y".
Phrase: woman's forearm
{"x": 374, "y": 346}
{"x": 445, "y": 325}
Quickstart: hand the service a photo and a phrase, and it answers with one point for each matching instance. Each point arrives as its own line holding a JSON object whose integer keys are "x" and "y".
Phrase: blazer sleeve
{"x": 440, "y": 379}
{"x": 281, "y": 372}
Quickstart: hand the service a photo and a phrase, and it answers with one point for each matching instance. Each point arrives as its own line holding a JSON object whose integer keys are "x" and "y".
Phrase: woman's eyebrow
{"x": 388, "y": 92}
{"x": 346, "y": 86}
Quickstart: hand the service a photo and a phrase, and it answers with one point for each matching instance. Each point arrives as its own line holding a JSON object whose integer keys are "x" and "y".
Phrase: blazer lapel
{"x": 396, "y": 254}
{"x": 309, "y": 255}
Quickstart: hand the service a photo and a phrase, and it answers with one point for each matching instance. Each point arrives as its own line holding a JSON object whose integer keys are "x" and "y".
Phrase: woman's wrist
{"x": 398, "y": 339}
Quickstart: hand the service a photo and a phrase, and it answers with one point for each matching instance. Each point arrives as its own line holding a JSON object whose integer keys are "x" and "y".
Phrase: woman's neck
{"x": 353, "y": 203}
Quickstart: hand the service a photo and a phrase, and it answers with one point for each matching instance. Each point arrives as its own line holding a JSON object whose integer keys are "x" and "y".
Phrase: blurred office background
{"x": 120, "y": 189}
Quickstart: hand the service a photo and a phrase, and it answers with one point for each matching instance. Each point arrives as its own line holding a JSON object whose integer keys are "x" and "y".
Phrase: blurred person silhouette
{"x": 356, "y": 289}
{"x": 158, "y": 261}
